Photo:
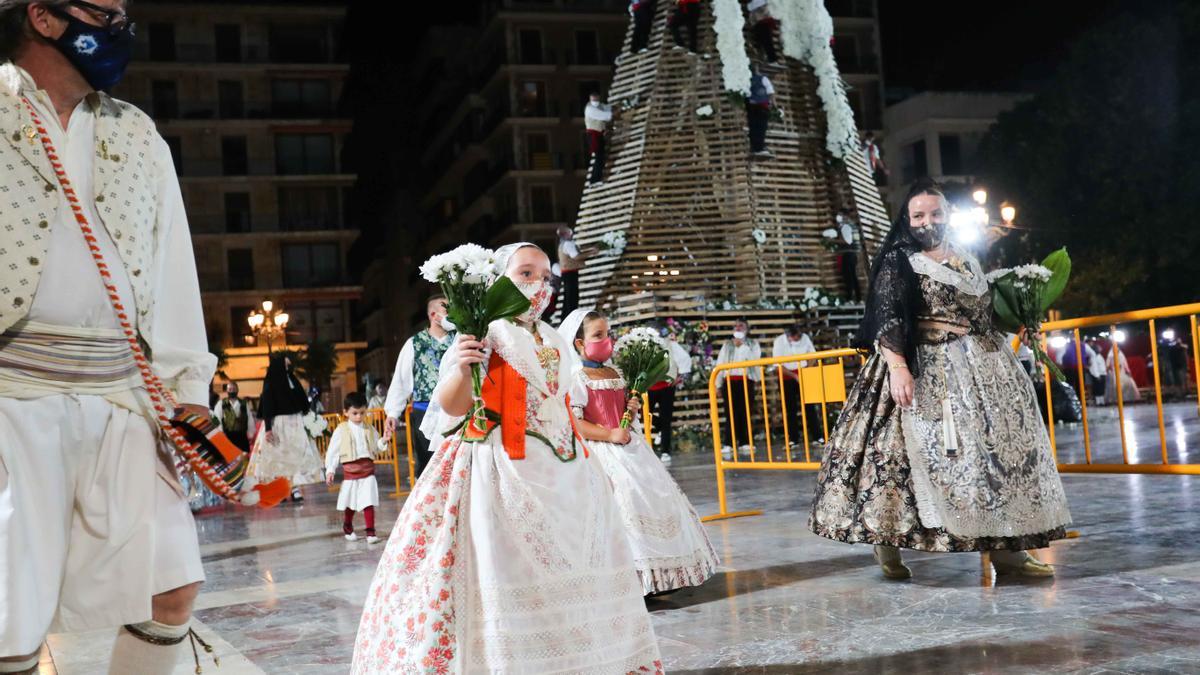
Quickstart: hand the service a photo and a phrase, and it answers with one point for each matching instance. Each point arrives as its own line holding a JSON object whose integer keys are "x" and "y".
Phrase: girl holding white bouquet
{"x": 670, "y": 547}
{"x": 509, "y": 555}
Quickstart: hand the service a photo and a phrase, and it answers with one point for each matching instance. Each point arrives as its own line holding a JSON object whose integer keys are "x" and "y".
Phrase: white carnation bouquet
{"x": 641, "y": 355}
{"x": 1022, "y": 295}
{"x": 314, "y": 424}
{"x": 477, "y": 295}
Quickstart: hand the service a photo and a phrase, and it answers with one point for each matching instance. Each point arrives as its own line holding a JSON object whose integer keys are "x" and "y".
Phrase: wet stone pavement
{"x": 284, "y": 590}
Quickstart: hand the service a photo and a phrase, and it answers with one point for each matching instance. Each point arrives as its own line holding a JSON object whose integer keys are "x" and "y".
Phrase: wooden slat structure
{"x": 687, "y": 194}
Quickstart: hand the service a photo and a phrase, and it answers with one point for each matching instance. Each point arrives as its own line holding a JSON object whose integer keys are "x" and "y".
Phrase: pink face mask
{"x": 598, "y": 351}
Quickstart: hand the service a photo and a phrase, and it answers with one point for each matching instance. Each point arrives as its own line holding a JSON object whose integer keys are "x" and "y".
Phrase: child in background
{"x": 354, "y": 445}
{"x": 670, "y": 547}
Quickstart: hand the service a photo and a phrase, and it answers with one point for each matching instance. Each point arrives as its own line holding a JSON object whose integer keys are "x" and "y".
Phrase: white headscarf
{"x": 505, "y": 253}
{"x": 568, "y": 329}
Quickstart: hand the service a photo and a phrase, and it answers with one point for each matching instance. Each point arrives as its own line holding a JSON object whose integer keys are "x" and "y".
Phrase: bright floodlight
{"x": 980, "y": 196}
{"x": 1008, "y": 213}
{"x": 1059, "y": 341}
{"x": 1119, "y": 336}
{"x": 1168, "y": 334}
{"x": 964, "y": 226}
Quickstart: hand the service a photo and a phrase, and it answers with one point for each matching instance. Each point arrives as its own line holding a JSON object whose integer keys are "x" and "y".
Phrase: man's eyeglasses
{"x": 114, "y": 20}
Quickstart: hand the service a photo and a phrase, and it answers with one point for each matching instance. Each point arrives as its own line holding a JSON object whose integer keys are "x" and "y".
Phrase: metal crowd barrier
{"x": 376, "y": 417}
{"x": 825, "y": 383}
{"x": 820, "y": 379}
{"x": 1113, "y": 322}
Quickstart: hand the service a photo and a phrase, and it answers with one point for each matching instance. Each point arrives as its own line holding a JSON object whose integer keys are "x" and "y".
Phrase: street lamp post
{"x": 268, "y": 323}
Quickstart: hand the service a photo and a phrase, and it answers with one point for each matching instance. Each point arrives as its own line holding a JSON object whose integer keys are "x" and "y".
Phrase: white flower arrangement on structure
{"x": 760, "y": 237}
{"x": 806, "y": 30}
{"x": 704, "y": 111}
{"x": 613, "y": 243}
{"x": 731, "y": 45}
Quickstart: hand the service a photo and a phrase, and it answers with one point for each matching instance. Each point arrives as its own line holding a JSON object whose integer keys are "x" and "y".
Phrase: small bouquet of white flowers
{"x": 704, "y": 111}
{"x": 476, "y": 296}
{"x": 613, "y": 242}
{"x": 314, "y": 424}
{"x": 759, "y": 236}
{"x": 830, "y": 240}
{"x": 1022, "y": 295}
{"x": 641, "y": 355}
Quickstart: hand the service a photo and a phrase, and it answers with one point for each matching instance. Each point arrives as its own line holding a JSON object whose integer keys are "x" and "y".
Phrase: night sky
{"x": 932, "y": 44}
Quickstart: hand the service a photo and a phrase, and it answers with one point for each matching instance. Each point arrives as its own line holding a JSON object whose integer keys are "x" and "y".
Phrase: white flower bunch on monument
{"x": 704, "y": 111}
{"x": 731, "y": 45}
{"x": 760, "y": 237}
{"x": 613, "y": 242}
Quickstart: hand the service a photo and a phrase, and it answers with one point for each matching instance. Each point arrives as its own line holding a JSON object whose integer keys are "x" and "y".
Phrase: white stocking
{"x": 149, "y": 648}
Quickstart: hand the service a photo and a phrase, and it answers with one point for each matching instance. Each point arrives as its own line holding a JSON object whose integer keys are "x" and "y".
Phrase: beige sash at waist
{"x": 41, "y": 358}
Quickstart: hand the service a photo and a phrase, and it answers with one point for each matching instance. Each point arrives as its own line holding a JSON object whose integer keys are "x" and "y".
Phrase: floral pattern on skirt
{"x": 493, "y": 566}
{"x": 293, "y": 455}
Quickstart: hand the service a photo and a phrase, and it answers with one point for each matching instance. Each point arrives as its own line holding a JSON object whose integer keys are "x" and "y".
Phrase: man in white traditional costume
{"x": 416, "y": 375}
{"x": 509, "y": 556}
{"x": 94, "y": 528}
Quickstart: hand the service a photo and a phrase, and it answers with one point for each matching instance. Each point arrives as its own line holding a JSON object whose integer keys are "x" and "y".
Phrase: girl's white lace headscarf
{"x": 505, "y": 253}
{"x": 568, "y": 329}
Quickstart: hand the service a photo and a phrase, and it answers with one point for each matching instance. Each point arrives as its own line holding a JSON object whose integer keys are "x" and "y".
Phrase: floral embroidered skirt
{"x": 889, "y": 477}
{"x": 498, "y": 565}
{"x": 670, "y": 547}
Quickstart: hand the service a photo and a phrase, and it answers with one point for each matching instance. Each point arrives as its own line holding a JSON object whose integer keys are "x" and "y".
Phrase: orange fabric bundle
{"x": 504, "y": 392}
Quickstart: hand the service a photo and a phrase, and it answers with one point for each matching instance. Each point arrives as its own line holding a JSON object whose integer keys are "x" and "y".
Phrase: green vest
{"x": 427, "y": 358}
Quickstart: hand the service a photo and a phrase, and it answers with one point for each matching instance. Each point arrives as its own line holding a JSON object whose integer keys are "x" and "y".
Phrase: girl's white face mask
{"x": 739, "y": 335}
{"x": 538, "y": 293}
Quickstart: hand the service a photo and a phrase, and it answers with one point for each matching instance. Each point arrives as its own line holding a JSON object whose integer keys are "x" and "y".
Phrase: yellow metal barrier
{"x": 825, "y": 384}
{"x": 1111, "y": 323}
{"x": 819, "y": 378}
{"x": 377, "y": 418}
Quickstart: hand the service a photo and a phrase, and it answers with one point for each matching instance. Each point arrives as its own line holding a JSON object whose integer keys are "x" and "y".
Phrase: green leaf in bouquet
{"x": 658, "y": 373}
{"x": 1006, "y": 318}
{"x": 459, "y": 316}
{"x": 504, "y": 301}
{"x": 1059, "y": 264}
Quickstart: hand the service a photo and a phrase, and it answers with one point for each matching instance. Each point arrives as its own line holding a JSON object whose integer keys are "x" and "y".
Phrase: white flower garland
{"x": 731, "y": 45}
{"x": 813, "y": 298}
{"x": 806, "y": 30}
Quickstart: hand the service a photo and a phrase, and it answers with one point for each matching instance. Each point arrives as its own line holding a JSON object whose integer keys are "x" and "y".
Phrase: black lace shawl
{"x": 282, "y": 393}
{"x": 894, "y": 294}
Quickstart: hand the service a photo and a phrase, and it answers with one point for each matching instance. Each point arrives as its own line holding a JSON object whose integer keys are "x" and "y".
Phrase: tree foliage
{"x": 1104, "y": 161}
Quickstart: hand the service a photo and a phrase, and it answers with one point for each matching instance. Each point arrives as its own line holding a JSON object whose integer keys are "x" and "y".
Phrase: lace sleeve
{"x": 890, "y": 318}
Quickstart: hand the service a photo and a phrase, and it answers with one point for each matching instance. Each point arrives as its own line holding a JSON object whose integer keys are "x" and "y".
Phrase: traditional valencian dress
{"x": 509, "y": 555}
{"x": 969, "y": 466}
{"x": 293, "y": 455}
{"x": 670, "y": 548}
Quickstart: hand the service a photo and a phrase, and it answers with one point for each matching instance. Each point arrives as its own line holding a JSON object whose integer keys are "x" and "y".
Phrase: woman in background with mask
{"x": 940, "y": 446}
{"x": 670, "y": 547}
{"x": 509, "y": 556}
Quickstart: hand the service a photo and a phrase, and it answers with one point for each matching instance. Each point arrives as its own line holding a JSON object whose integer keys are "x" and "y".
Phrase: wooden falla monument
{"x": 706, "y": 224}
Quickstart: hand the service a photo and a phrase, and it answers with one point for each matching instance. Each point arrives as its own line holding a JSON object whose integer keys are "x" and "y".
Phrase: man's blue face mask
{"x": 99, "y": 53}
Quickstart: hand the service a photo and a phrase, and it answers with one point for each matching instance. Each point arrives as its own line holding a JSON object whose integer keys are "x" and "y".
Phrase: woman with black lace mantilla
{"x": 940, "y": 446}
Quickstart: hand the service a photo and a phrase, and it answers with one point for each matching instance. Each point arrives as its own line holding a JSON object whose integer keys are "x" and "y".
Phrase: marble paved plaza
{"x": 284, "y": 589}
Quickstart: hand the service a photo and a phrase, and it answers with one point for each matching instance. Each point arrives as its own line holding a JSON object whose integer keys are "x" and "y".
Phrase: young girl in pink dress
{"x": 509, "y": 556}
{"x": 670, "y": 547}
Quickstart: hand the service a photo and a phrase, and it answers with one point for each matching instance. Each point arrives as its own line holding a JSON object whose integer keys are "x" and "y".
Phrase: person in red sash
{"x": 509, "y": 555}
{"x": 354, "y": 446}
